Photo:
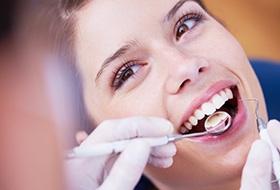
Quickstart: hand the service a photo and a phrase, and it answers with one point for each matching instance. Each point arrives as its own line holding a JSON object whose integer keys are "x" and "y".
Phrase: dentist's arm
{"x": 258, "y": 168}
{"x": 121, "y": 171}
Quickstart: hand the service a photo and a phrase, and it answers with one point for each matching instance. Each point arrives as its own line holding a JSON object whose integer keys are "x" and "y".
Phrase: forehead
{"x": 101, "y": 9}
{"x": 103, "y": 16}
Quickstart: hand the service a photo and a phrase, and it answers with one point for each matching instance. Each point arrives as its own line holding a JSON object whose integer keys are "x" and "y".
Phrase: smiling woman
{"x": 168, "y": 59}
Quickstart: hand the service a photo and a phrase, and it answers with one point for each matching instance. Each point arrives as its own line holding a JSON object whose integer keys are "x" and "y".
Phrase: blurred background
{"x": 255, "y": 23}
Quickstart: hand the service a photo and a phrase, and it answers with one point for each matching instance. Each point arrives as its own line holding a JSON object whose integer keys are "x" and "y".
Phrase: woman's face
{"x": 170, "y": 59}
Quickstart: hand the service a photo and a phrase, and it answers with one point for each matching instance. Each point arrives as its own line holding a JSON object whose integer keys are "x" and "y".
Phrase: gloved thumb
{"x": 129, "y": 166}
{"x": 257, "y": 170}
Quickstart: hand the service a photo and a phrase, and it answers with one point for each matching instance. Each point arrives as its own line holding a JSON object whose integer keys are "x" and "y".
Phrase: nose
{"x": 183, "y": 70}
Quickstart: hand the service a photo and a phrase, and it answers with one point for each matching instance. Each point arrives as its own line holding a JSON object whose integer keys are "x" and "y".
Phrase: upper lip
{"x": 205, "y": 96}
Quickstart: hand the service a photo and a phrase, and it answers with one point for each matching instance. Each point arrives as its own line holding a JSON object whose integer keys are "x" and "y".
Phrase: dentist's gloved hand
{"x": 121, "y": 171}
{"x": 257, "y": 170}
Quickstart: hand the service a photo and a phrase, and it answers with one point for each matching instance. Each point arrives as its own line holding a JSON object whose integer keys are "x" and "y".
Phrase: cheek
{"x": 233, "y": 57}
{"x": 222, "y": 49}
{"x": 139, "y": 104}
{"x": 145, "y": 100}
{"x": 218, "y": 45}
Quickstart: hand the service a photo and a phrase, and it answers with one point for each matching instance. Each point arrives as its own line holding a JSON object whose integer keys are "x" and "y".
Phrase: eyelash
{"x": 195, "y": 15}
{"x": 117, "y": 81}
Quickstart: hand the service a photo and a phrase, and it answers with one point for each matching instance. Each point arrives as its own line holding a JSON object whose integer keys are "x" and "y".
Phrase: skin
{"x": 172, "y": 77}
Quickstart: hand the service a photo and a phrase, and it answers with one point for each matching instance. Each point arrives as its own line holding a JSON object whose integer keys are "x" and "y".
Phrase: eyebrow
{"x": 121, "y": 51}
{"x": 173, "y": 11}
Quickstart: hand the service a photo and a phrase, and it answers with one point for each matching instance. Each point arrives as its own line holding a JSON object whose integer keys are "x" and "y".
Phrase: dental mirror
{"x": 218, "y": 122}
{"x": 215, "y": 124}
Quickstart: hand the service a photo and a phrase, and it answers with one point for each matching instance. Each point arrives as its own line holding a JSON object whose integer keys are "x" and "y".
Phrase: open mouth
{"x": 225, "y": 100}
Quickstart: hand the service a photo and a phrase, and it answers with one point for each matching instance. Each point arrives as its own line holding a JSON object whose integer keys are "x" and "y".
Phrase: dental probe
{"x": 119, "y": 146}
{"x": 262, "y": 128}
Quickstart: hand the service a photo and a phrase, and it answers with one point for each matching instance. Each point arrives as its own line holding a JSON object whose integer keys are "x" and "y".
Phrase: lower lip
{"x": 237, "y": 124}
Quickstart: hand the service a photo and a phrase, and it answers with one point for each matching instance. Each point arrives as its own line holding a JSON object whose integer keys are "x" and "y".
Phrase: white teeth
{"x": 193, "y": 120}
{"x": 229, "y": 93}
{"x": 224, "y": 95}
{"x": 183, "y": 130}
{"x": 199, "y": 114}
{"x": 208, "y": 108}
{"x": 218, "y": 101}
{"x": 188, "y": 125}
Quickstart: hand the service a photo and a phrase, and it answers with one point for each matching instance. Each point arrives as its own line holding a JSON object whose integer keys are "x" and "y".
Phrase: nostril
{"x": 183, "y": 84}
{"x": 202, "y": 69}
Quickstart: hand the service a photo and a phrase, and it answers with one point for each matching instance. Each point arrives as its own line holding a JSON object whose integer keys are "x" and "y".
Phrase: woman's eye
{"x": 186, "y": 26}
{"x": 129, "y": 72}
{"x": 124, "y": 73}
{"x": 187, "y": 23}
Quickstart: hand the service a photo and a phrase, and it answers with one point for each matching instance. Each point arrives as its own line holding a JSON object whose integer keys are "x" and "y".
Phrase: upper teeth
{"x": 208, "y": 108}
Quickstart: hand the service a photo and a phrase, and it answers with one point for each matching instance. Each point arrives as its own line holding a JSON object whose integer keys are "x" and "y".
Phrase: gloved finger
{"x": 160, "y": 162}
{"x": 84, "y": 174}
{"x": 257, "y": 170}
{"x": 273, "y": 128}
{"x": 127, "y": 128}
{"x": 81, "y": 136}
{"x": 166, "y": 151}
{"x": 162, "y": 156}
{"x": 129, "y": 167}
{"x": 110, "y": 163}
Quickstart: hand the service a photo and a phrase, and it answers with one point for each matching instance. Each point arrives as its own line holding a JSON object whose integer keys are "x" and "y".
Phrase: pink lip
{"x": 237, "y": 122}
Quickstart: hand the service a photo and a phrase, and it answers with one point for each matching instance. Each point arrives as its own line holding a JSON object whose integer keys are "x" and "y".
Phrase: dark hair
{"x": 7, "y": 15}
{"x": 55, "y": 28}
